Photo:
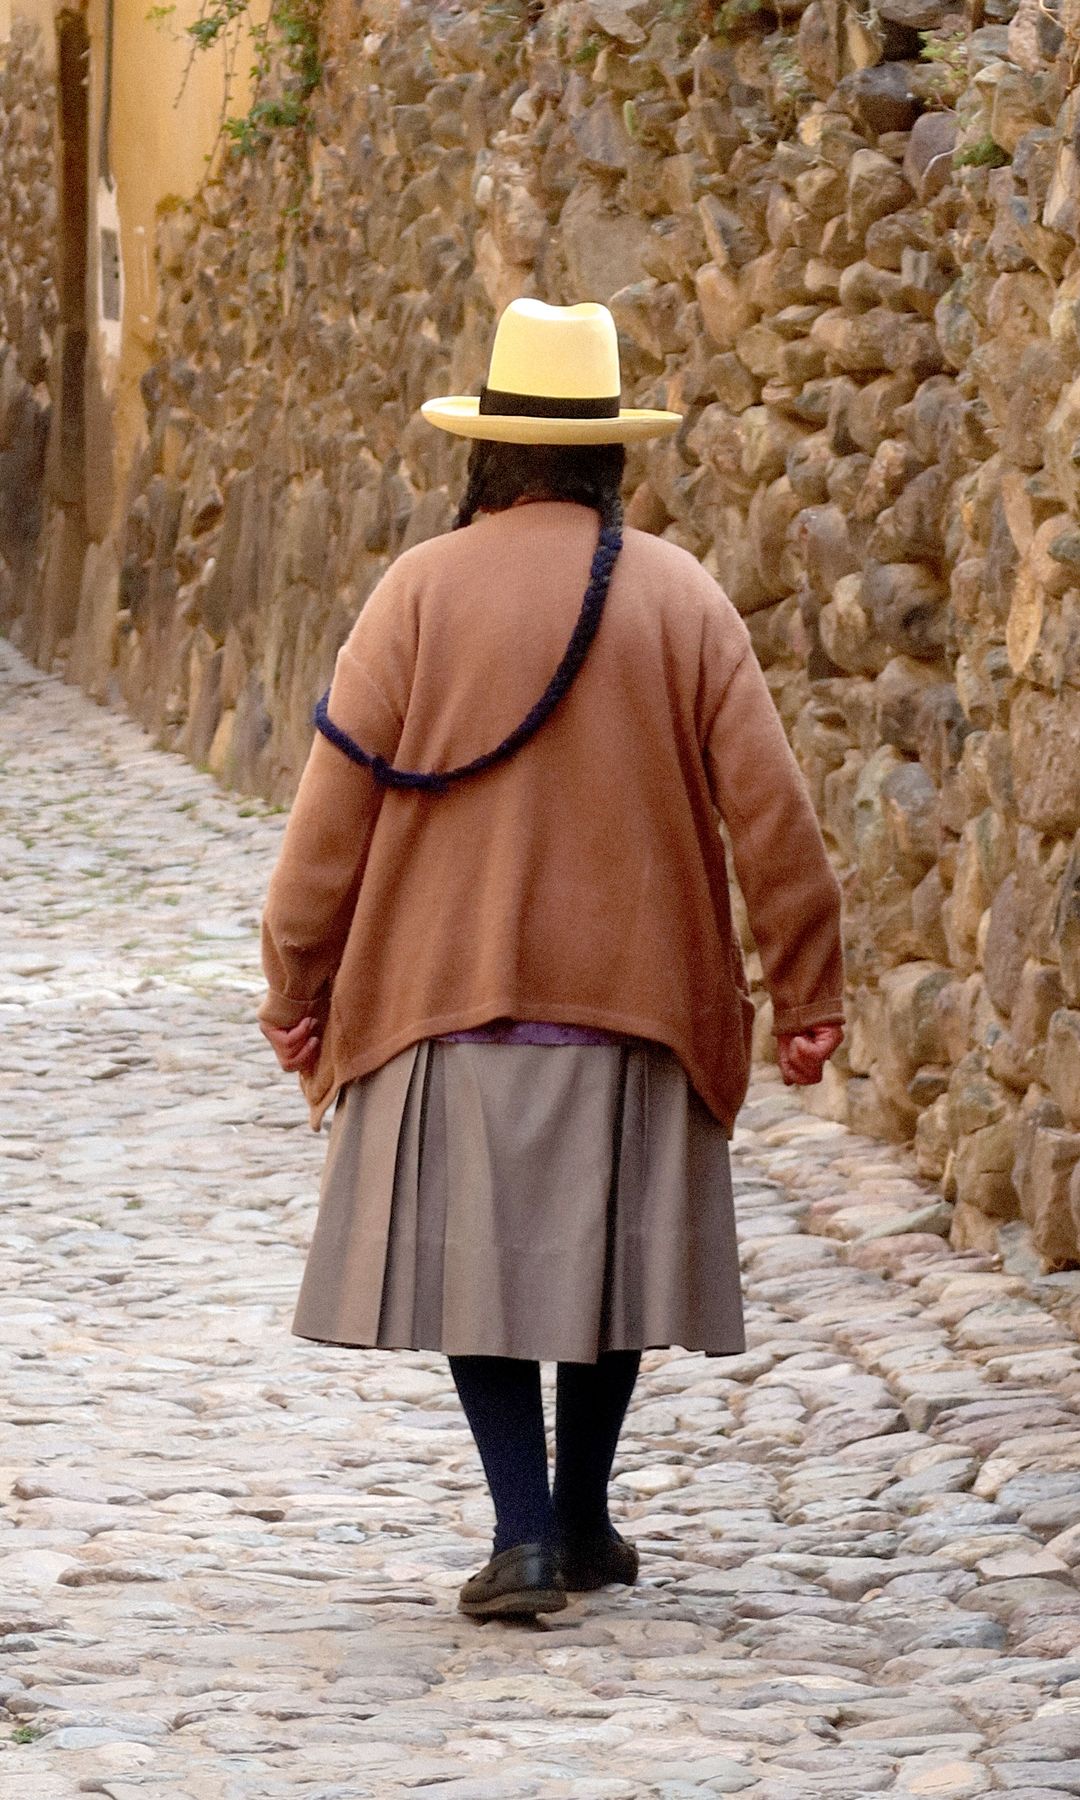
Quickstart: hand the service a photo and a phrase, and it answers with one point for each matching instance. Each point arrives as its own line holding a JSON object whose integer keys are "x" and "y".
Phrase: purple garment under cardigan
{"x": 532, "y": 1031}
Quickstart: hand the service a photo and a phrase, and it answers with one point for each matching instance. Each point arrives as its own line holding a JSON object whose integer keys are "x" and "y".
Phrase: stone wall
{"x": 28, "y": 309}
{"x": 844, "y": 244}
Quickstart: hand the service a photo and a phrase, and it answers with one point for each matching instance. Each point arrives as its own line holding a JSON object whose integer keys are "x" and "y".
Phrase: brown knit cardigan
{"x": 584, "y": 881}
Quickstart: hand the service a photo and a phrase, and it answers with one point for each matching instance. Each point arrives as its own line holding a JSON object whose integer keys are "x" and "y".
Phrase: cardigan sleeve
{"x": 791, "y": 892}
{"x": 315, "y": 882}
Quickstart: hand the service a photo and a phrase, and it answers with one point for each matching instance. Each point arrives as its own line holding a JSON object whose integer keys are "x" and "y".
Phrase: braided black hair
{"x": 499, "y": 475}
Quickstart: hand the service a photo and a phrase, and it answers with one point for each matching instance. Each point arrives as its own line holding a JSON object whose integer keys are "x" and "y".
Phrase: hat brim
{"x": 461, "y": 415}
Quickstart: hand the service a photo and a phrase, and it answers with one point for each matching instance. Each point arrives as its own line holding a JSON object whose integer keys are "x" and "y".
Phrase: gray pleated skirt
{"x": 535, "y": 1201}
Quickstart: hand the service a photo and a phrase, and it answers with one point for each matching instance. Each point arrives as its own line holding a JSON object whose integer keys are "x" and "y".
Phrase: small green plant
{"x": 27, "y": 1734}
{"x": 985, "y": 153}
{"x": 285, "y": 46}
{"x": 947, "y": 54}
{"x": 587, "y": 51}
{"x": 132, "y": 1205}
{"x": 709, "y": 18}
{"x": 789, "y": 75}
{"x": 726, "y": 18}
{"x": 949, "y": 47}
{"x": 505, "y": 24}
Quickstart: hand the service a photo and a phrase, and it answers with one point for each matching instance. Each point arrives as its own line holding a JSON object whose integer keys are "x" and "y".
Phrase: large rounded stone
{"x": 1062, "y": 209}
{"x": 767, "y": 440}
{"x": 892, "y": 465}
{"x": 1063, "y": 440}
{"x": 1066, "y": 928}
{"x": 874, "y": 412}
{"x": 1038, "y": 996}
{"x": 1045, "y": 1160}
{"x": 772, "y": 511}
{"x": 859, "y": 343}
{"x": 871, "y": 837}
{"x": 1005, "y": 948}
{"x": 899, "y": 695}
{"x": 928, "y": 157}
{"x": 603, "y": 246}
{"x": 926, "y": 903}
{"x": 1044, "y": 733}
{"x": 846, "y": 630}
{"x": 825, "y": 547}
{"x": 602, "y": 141}
{"x": 911, "y": 530}
{"x": 880, "y": 100}
{"x": 908, "y": 606}
{"x": 875, "y": 187}
{"x": 982, "y": 1169}
{"x": 1061, "y": 1062}
{"x": 910, "y": 802}
{"x": 932, "y": 1141}
{"x": 726, "y": 311}
{"x": 1035, "y": 36}
{"x": 819, "y": 47}
{"x": 911, "y": 1018}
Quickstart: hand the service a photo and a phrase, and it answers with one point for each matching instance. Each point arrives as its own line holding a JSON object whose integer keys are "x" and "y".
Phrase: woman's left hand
{"x": 296, "y": 1047}
{"x": 802, "y": 1055}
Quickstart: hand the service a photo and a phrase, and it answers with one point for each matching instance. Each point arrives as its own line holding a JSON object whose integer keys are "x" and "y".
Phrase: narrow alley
{"x": 229, "y": 1559}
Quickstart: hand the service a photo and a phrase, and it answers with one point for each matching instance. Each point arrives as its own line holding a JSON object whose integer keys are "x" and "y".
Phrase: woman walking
{"x": 499, "y": 934}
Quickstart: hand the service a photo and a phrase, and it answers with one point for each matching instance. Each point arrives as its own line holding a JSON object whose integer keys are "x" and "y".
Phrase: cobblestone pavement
{"x": 229, "y": 1560}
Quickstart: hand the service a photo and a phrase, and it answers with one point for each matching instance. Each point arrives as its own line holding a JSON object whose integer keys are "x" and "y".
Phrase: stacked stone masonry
{"x": 844, "y": 244}
{"x": 28, "y": 311}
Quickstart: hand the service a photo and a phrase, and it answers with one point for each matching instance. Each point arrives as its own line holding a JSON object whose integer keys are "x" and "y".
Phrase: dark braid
{"x": 498, "y": 475}
{"x": 471, "y": 499}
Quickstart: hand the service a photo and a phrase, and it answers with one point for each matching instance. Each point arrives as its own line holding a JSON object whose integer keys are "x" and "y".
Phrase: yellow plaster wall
{"x": 163, "y": 138}
{"x": 162, "y": 143}
{"x": 160, "y": 139}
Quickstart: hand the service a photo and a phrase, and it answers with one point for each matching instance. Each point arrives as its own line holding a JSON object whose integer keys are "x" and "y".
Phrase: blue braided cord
{"x": 592, "y": 606}
{"x": 380, "y": 768}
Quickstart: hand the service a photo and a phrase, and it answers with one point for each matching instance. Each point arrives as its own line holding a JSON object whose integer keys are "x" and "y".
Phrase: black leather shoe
{"x": 589, "y": 1563}
{"x": 518, "y": 1583}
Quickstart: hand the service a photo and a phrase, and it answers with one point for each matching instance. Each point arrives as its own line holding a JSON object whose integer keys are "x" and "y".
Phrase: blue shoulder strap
{"x": 592, "y": 606}
{"x": 384, "y": 774}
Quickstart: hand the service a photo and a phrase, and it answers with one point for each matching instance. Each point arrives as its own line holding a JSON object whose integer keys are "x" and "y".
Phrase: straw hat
{"x": 553, "y": 379}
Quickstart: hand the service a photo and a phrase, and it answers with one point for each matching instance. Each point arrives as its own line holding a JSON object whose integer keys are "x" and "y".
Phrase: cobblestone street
{"x": 229, "y": 1559}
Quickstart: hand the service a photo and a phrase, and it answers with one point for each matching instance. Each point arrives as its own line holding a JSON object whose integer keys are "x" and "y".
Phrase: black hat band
{"x": 542, "y": 406}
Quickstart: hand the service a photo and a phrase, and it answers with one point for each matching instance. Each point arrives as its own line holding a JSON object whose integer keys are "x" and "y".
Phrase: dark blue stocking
{"x": 501, "y": 1398}
{"x": 590, "y": 1405}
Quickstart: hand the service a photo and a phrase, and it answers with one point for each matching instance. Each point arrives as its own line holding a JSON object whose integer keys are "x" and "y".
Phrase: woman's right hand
{"x": 296, "y": 1047}
{"x": 802, "y": 1055}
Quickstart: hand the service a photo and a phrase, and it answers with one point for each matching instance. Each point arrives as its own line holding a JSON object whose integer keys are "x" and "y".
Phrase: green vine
{"x": 504, "y": 25}
{"x": 986, "y": 153}
{"x": 587, "y": 51}
{"x": 946, "y": 53}
{"x": 284, "y": 45}
{"x": 720, "y": 19}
